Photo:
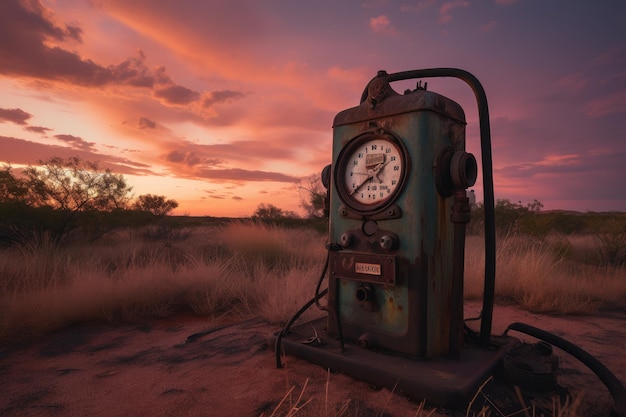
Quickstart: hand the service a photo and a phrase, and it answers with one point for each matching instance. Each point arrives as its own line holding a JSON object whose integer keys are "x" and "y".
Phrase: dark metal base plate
{"x": 449, "y": 383}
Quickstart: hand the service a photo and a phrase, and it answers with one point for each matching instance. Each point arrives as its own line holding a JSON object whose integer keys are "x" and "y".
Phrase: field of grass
{"x": 243, "y": 269}
{"x": 240, "y": 269}
{"x": 559, "y": 274}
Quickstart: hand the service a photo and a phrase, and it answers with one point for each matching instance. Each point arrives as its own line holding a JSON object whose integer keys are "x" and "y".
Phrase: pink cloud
{"x": 573, "y": 82}
{"x": 489, "y": 26}
{"x": 382, "y": 25}
{"x": 418, "y": 6}
{"x": 445, "y": 11}
{"x": 612, "y": 103}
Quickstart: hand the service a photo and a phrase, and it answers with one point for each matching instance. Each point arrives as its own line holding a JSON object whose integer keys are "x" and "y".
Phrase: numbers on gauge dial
{"x": 373, "y": 171}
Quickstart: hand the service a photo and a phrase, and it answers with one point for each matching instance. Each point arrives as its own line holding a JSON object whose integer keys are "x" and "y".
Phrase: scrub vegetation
{"x": 242, "y": 268}
{"x": 551, "y": 262}
{"x": 238, "y": 269}
{"x": 75, "y": 246}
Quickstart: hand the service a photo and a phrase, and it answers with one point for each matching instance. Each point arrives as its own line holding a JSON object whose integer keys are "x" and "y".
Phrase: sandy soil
{"x": 191, "y": 366}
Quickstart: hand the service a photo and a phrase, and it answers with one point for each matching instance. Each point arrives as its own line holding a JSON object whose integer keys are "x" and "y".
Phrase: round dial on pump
{"x": 370, "y": 171}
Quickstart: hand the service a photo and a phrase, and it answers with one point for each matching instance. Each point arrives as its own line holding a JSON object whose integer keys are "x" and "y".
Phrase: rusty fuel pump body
{"x": 398, "y": 208}
{"x": 397, "y": 283}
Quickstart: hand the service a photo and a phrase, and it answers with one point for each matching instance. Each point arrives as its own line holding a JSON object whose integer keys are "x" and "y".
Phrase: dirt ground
{"x": 192, "y": 366}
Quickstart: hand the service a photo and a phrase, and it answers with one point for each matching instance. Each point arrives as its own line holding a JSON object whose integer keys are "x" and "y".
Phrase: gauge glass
{"x": 373, "y": 171}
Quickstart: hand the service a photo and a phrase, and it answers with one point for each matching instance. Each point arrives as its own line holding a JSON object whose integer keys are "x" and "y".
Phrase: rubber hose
{"x": 295, "y": 317}
{"x": 613, "y": 384}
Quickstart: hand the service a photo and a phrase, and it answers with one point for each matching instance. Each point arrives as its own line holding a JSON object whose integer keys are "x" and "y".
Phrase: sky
{"x": 225, "y": 105}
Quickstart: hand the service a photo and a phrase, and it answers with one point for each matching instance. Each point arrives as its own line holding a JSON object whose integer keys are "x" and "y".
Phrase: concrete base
{"x": 449, "y": 383}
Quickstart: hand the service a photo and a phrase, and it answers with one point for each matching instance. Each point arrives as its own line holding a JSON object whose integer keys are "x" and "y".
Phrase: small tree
{"x": 12, "y": 189}
{"x": 271, "y": 213}
{"x": 157, "y": 205}
{"x": 510, "y": 218}
{"x": 74, "y": 185}
{"x": 312, "y": 195}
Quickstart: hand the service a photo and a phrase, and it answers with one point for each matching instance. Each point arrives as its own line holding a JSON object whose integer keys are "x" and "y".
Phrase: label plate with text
{"x": 369, "y": 269}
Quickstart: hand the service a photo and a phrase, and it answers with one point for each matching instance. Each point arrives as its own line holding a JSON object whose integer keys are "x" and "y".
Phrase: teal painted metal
{"x": 401, "y": 296}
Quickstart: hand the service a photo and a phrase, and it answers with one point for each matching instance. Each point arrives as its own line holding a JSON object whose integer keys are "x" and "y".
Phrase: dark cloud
{"x": 20, "y": 151}
{"x": 236, "y": 197}
{"x": 25, "y": 28}
{"x": 17, "y": 116}
{"x": 37, "y": 129}
{"x": 238, "y": 174}
{"x": 76, "y": 142}
{"x": 190, "y": 158}
{"x": 221, "y": 96}
{"x": 25, "y": 31}
{"x": 217, "y": 153}
{"x": 134, "y": 72}
{"x": 145, "y": 123}
{"x": 177, "y": 94}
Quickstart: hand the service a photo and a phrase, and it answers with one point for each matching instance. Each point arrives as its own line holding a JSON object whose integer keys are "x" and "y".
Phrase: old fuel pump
{"x": 399, "y": 177}
{"x": 398, "y": 209}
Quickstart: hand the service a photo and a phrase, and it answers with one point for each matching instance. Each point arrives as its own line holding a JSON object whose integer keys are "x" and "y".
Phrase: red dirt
{"x": 155, "y": 368}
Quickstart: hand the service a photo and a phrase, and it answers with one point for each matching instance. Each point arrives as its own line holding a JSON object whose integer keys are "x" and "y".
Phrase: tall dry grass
{"x": 241, "y": 269}
{"x": 558, "y": 275}
{"x": 245, "y": 269}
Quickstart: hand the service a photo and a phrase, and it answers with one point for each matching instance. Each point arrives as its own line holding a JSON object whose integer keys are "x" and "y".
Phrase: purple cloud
{"x": 177, "y": 94}
{"x": 145, "y": 123}
{"x": 37, "y": 129}
{"x": 221, "y": 96}
{"x": 17, "y": 116}
{"x": 76, "y": 142}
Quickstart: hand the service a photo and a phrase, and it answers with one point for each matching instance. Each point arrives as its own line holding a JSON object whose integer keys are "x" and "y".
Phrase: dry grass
{"x": 240, "y": 269}
{"x": 302, "y": 403}
{"x": 552, "y": 276}
{"x": 245, "y": 269}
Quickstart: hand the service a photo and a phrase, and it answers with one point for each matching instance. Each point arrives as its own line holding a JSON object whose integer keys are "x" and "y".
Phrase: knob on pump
{"x": 454, "y": 170}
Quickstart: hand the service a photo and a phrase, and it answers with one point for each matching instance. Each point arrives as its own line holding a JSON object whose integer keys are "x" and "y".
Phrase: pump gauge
{"x": 371, "y": 171}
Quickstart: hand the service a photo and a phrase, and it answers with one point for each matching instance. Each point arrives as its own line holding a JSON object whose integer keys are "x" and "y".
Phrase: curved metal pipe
{"x": 489, "y": 200}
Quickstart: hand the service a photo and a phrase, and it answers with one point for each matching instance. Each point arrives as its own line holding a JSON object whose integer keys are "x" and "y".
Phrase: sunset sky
{"x": 223, "y": 105}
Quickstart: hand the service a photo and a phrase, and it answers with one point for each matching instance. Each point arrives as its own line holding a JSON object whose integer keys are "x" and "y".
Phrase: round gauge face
{"x": 371, "y": 171}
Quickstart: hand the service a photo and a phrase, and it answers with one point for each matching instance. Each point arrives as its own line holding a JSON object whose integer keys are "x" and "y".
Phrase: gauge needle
{"x": 371, "y": 173}
{"x": 378, "y": 169}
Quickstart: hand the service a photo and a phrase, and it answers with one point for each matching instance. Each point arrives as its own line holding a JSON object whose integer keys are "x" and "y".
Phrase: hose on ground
{"x": 615, "y": 387}
{"x": 314, "y": 300}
